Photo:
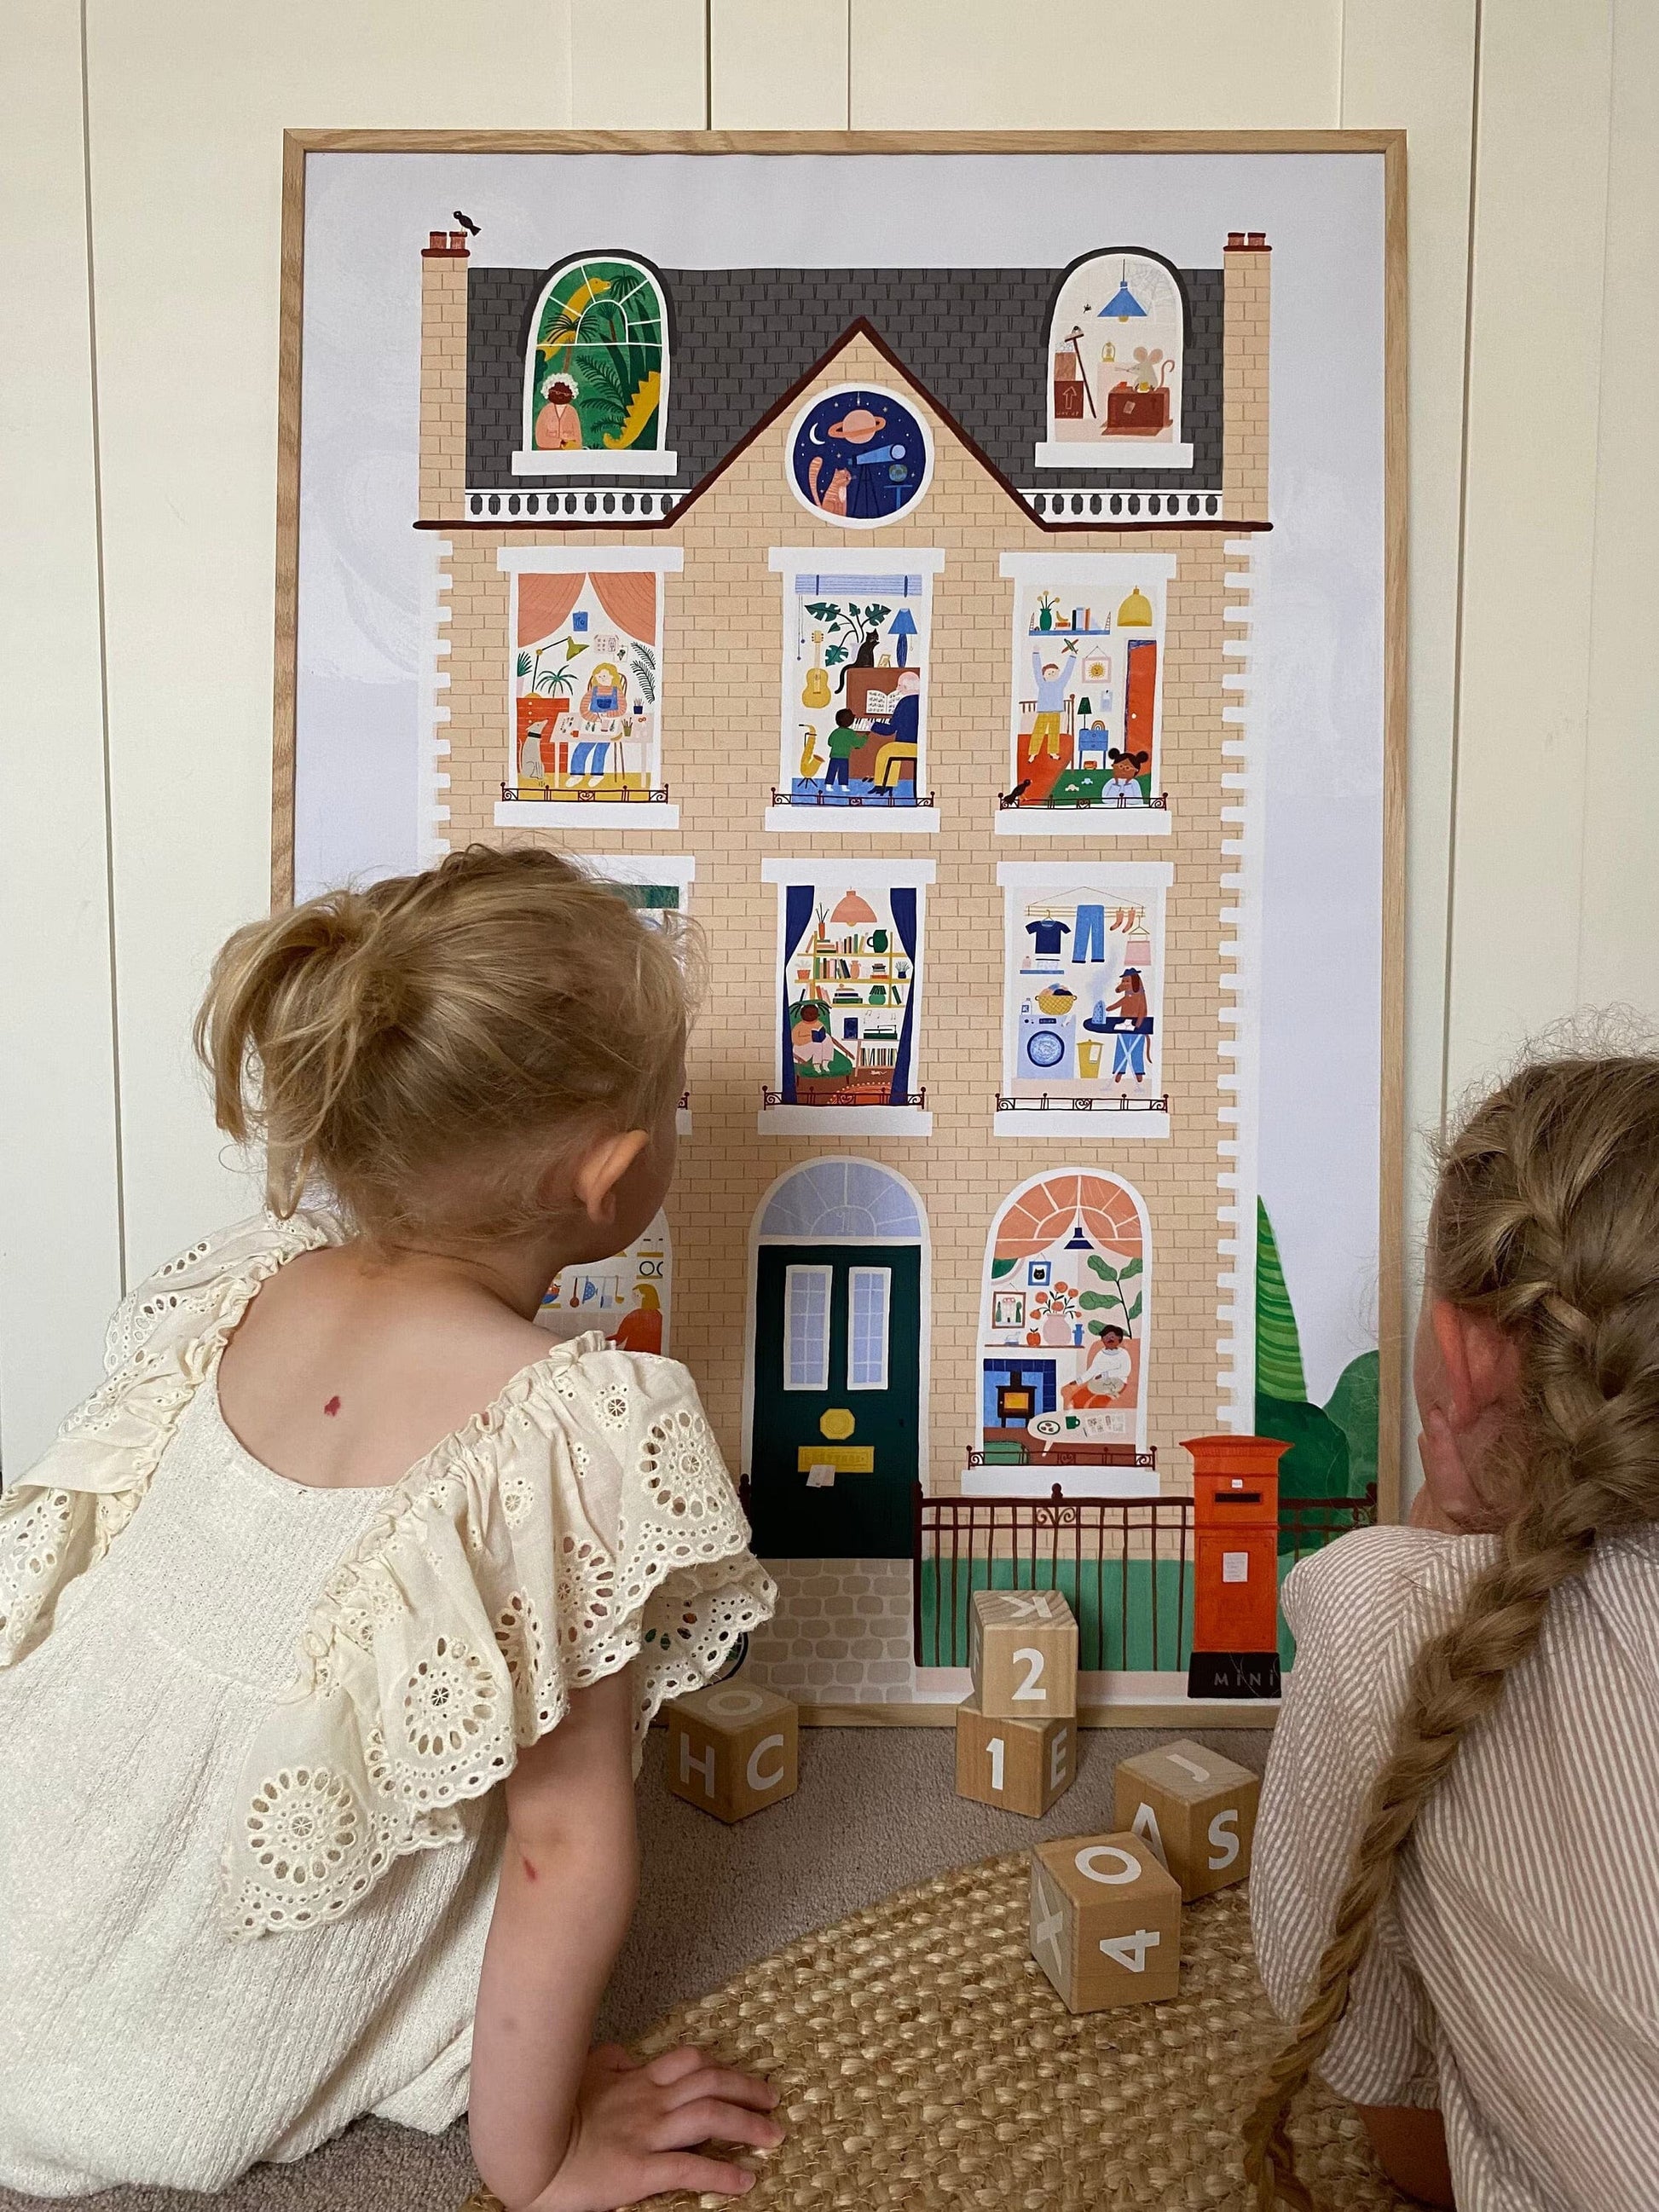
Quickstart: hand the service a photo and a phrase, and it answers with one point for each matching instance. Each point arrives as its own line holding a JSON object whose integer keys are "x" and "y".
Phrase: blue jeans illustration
{"x": 840, "y": 769}
{"x": 588, "y": 759}
{"x": 1130, "y": 1057}
{"x": 1090, "y": 942}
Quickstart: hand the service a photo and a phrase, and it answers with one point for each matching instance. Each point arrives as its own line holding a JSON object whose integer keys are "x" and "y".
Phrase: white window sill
{"x": 577, "y": 462}
{"x": 1083, "y": 821}
{"x": 567, "y": 815}
{"x": 825, "y": 821}
{"x": 844, "y": 1121}
{"x": 1106, "y": 453}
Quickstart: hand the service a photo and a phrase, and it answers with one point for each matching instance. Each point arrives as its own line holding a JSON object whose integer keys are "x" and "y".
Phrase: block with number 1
{"x": 1023, "y": 1651}
{"x": 1020, "y": 1766}
{"x": 1105, "y": 1922}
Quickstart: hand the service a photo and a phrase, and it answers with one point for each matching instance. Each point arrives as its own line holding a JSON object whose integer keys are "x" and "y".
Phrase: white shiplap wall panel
{"x": 1534, "y": 406}
{"x": 1410, "y": 64}
{"x": 188, "y": 101}
{"x": 1095, "y": 65}
{"x": 60, "y": 1220}
{"x": 779, "y": 64}
{"x": 635, "y": 64}
{"x": 1619, "y": 910}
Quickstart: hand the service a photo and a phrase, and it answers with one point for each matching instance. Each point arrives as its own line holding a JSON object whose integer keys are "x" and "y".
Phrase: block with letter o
{"x": 732, "y": 1750}
{"x": 1105, "y": 1922}
{"x": 1196, "y": 1809}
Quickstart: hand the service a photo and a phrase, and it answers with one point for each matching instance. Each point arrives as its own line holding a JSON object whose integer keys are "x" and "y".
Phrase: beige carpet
{"x": 876, "y": 1812}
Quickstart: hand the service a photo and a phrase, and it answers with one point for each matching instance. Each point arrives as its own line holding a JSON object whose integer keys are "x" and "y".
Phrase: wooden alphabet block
{"x": 1022, "y": 1650}
{"x": 1105, "y": 1922}
{"x": 1021, "y": 1766}
{"x": 732, "y": 1750}
{"x": 1196, "y": 1810}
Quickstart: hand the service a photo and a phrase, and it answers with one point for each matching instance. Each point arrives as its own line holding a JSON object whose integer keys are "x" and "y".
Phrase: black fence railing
{"x": 851, "y": 1093}
{"x": 900, "y": 798}
{"x": 1124, "y": 1564}
{"x": 537, "y": 794}
{"x": 1124, "y": 1103}
{"x": 1082, "y": 802}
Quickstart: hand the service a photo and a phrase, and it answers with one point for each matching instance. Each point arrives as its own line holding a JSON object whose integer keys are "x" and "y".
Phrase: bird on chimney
{"x": 466, "y": 224}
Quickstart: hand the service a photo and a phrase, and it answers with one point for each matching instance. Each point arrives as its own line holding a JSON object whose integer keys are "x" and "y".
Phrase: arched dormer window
{"x": 596, "y": 371}
{"x": 1118, "y": 332}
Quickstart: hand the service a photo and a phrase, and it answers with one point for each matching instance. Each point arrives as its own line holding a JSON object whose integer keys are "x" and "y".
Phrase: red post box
{"x": 1235, "y": 1567}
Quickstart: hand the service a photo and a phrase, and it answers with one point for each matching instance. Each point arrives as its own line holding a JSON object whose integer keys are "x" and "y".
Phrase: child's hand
{"x": 636, "y": 2127}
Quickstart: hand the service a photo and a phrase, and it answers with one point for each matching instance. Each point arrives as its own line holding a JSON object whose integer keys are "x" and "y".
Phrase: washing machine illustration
{"x": 1048, "y": 1043}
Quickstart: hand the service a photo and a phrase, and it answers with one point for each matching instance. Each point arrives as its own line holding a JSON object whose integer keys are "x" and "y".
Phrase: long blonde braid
{"x": 1546, "y": 1220}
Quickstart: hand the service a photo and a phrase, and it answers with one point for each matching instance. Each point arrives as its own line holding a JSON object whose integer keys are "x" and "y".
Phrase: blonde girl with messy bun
{"x": 330, "y": 1626}
{"x": 1456, "y": 1893}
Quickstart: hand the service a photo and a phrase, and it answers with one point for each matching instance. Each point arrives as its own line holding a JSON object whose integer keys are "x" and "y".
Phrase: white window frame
{"x": 826, "y": 1277}
{"x": 854, "y": 1277}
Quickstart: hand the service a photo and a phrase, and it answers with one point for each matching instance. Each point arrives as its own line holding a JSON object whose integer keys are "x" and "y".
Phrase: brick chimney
{"x": 443, "y": 375}
{"x": 1248, "y": 295}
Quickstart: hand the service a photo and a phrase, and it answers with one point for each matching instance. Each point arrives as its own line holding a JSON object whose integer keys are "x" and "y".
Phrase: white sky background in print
{"x": 1317, "y": 682}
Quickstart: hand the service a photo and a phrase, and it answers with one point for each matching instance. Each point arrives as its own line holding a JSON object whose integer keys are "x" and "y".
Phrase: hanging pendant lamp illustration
{"x": 1123, "y": 302}
{"x": 1136, "y": 611}
{"x": 1079, "y": 1240}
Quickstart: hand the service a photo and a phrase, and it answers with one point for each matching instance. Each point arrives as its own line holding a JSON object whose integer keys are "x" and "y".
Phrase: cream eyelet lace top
{"x": 236, "y": 1708}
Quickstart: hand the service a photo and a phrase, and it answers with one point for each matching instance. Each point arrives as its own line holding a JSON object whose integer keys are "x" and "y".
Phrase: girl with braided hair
{"x": 1456, "y": 1873}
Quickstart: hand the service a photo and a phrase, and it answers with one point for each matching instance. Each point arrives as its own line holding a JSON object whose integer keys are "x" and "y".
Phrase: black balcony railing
{"x": 851, "y": 1093}
{"x": 899, "y": 799}
{"x": 537, "y": 794}
{"x": 1107, "y": 803}
{"x": 1120, "y": 1103}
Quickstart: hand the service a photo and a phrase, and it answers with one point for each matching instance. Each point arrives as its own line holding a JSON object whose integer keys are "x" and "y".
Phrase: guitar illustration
{"x": 816, "y": 693}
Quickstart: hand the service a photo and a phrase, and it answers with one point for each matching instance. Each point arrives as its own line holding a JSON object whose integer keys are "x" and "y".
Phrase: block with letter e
{"x": 732, "y": 1750}
{"x": 1195, "y": 1808}
{"x": 1105, "y": 1922}
{"x": 1023, "y": 1651}
{"x": 1021, "y": 1766}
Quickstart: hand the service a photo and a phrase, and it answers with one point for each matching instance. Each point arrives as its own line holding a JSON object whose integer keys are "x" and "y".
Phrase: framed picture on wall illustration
{"x": 966, "y": 575}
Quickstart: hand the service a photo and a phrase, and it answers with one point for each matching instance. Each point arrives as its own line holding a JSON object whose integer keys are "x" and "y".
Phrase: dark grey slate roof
{"x": 975, "y": 338}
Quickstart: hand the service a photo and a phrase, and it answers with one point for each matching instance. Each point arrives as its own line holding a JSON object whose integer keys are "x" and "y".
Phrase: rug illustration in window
{"x": 1118, "y": 341}
{"x": 1083, "y": 990}
{"x": 849, "y": 983}
{"x": 625, "y": 1297}
{"x": 658, "y": 886}
{"x": 1086, "y": 714}
{"x": 858, "y": 456}
{"x": 836, "y": 1363}
{"x": 856, "y": 643}
{"x": 1063, "y": 1338}
{"x": 596, "y": 373}
{"x": 586, "y": 682}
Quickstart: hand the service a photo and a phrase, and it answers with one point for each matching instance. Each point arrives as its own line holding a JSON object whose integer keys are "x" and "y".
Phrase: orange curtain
{"x": 545, "y": 601}
{"x": 630, "y": 597}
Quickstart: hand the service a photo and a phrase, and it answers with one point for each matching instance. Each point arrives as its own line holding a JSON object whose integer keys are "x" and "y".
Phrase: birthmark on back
{"x": 333, "y": 1405}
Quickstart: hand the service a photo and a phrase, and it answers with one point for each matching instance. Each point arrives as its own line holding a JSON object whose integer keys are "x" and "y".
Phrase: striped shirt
{"x": 1515, "y": 1981}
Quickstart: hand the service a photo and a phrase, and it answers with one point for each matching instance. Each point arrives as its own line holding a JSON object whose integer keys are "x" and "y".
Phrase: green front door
{"x": 833, "y": 1447}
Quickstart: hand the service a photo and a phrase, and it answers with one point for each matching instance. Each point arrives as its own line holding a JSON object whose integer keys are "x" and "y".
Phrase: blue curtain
{"x": 796, "y": 921}
{"x": 903, "y": 903}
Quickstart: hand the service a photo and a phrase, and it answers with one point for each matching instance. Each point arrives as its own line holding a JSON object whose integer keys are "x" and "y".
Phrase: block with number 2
{"x": 1023, "y": 1651}
{"x": 1105, "y": 1922}
{"x": 1195, "y": 1808}
{"x": 1021, "y": 1766}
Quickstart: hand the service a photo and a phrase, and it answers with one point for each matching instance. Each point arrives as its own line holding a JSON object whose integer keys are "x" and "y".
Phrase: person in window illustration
{"x": 1106, "y": 1371}
{"x": 1127, "y": 768}
{"x": 640, "y": 1328}
{"x": 559, "y": 423}
{"x": 1134, "y": 1026}
{"x": 601, "y": 704}
{"x": 844, "y": 741}
{"x": 1053, "y": 679}
{"x": 811, "y": 1043}
{"x": 899, "y": 730}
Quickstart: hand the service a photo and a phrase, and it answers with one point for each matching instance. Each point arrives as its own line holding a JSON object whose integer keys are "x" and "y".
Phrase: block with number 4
{"x": 1105, "y": 1922}
{"x": 1195, "y": 1808}
{"x": 1022, "y": 1650}
{"x": 732, "y": 1750}
{"x": 1020, "y": 1765}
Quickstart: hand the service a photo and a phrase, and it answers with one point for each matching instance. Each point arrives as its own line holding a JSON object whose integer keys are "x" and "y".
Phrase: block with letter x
{"x": 1195, "y": 1808}
{"x": 1023, "y": 1651}
{"x": 732, "y": 1750}
{"x": 1105, "y": 1922}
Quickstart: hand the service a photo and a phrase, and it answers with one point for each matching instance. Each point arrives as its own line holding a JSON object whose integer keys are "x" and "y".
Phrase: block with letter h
{"x": 1194, "y": 1809}
{"x": 1023, "y": 1651}
{"x": 732, "y": 1750}
{"x": 1105, "y": 1922}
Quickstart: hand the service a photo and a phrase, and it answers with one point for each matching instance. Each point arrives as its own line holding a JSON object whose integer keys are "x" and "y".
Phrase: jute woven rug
{"x": 926, "y": 2061}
